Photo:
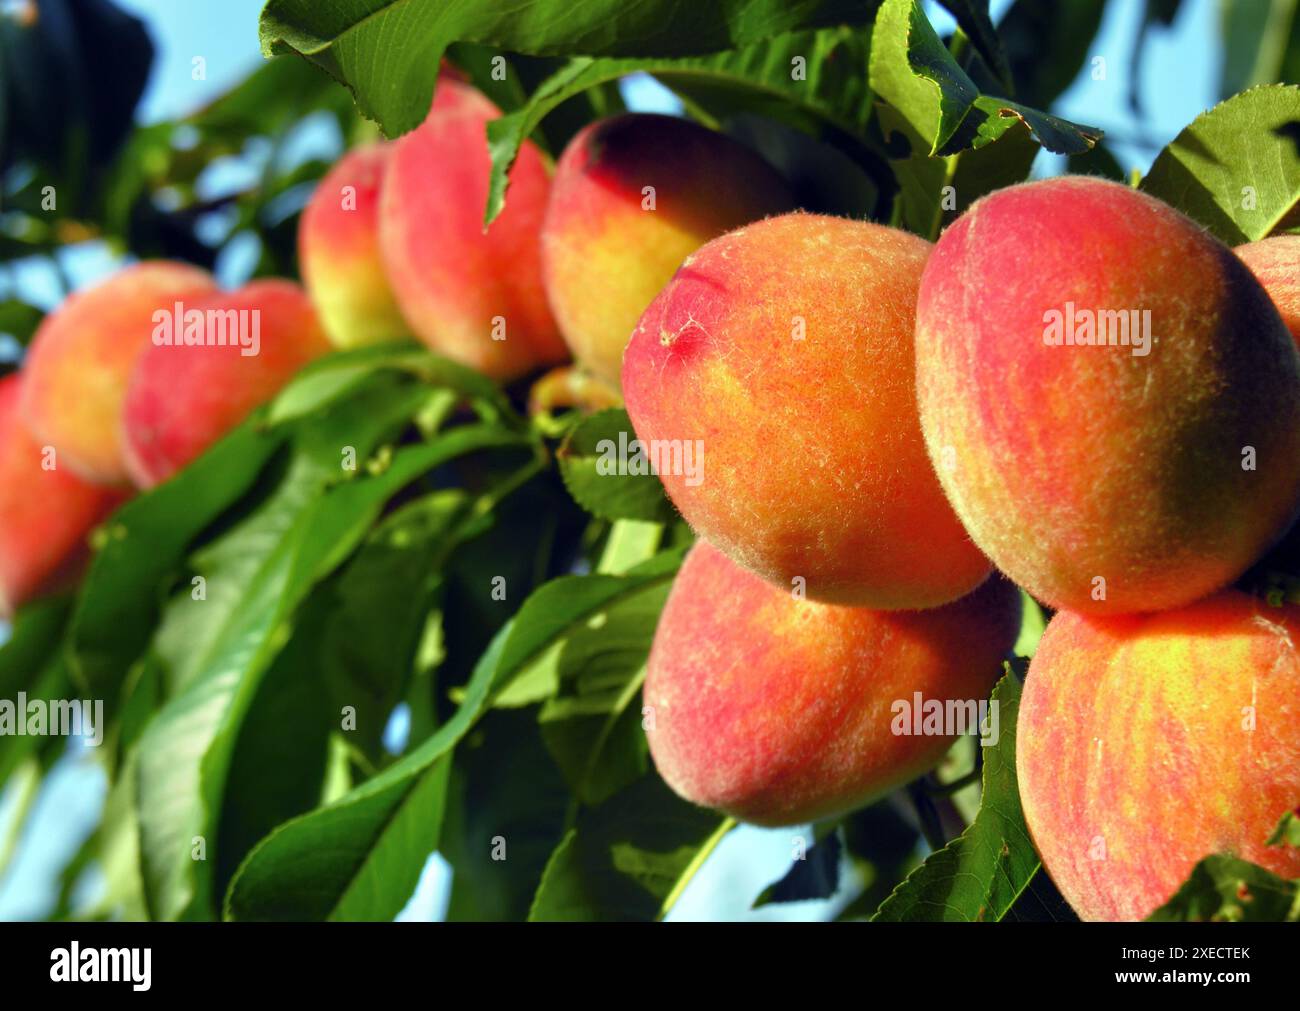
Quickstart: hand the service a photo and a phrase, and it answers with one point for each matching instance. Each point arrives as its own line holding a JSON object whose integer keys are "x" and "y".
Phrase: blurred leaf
{"x": 19, "y": 320}
{"x": 591, "y": 460}
{"x": 1223, "y": 887}
{"x": 70, "y": 79}
{"x": 1100, "y": 161}
{"x": 394, "y": 85}
{"x": 628, "y": 859}
{"x": 816, "y": 875}
{"x": 1047, "y": 44}
{"x": 505, "y": 815}
{"x": 972, "y": 17}
{"x": 1261, "y": 43}
{"x": 980, "y": 874}
{"x": 881, "y": 845}
{"x": 829, "y": 86}
{"x": 1235, "y": 169}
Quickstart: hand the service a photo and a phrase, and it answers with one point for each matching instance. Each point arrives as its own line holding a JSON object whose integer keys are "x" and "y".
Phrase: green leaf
{"x": 142, "y": 549}
{"x": 379, "y": 606}
{"x": 393, "y": 82}
{"x": 1235, "y": 169}
{"x": 981, "y": 873}
{"x": 1287, "y": 832}
{"x": 831, "y": 87}
{"x": 278, "y": 760}
{"x": 592, "y": 462}
{"x": 592, "y": 725}
{"x": 628, "y": 859}
{"x": 948, "y": 144}
{"x": 815, "y": 875}
{"x": 185, "y": 751}
{"x": 556, "y": 624}
{"x": 1223, "y": 887}
{"x": 360, "y": 857}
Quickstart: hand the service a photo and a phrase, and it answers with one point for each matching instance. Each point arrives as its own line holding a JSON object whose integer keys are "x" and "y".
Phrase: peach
{"x": 474, "y": 296}
{"x": 780, "y": 357}
{"x": 1146, "y": 742}
{"x": 208, "y": 367}
{"x": 1110, "y": 398}
{"x": 81, "y": 357}
{"x": 46, "y": 511}
{"x": 338, "y": 251}
{"x": 1275, "y": 262}
{"x": 780, "y": 710}
{"x": 632, "y": 197}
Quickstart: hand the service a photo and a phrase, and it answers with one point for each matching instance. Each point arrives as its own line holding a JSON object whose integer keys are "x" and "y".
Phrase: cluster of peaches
{"x": 883, "y": 423}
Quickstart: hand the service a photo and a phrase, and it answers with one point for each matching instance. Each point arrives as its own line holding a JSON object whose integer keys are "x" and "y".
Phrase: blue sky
{"x": 1178, "y": 80}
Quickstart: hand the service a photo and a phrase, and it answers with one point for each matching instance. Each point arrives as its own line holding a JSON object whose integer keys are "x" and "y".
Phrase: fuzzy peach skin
{"x": 338, "y": 250}
{"x": 606, "y": 253}
{"x": 80, "y": 360}
{"x": 1146, "y": 742}
{"x": 781, "y": 711}
{"x": 455, "y": 283}
{"x": 46, "y": 511}
{"x": 182, "y": 399}
{"x": 1275, "y": 262}
{"x": 784, "y": 350}
{"x": 1098, "y": 479}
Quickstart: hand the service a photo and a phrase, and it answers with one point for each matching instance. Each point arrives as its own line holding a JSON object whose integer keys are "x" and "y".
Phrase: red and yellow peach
{"x": 781, "y": 711}
{"x": 782, "y": 353}
{"x": 1146, "y": 742}
{"x": 338, "y": 251}
{"x": 632, "y": 197}
{"x": 474, "y": 296}
{"x": 1111, "y": 400}
{"x": 81, "y": 357}
{"x": 192, "y": 386}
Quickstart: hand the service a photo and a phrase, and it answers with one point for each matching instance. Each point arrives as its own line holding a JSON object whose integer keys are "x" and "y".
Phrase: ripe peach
{"x": 46, "y": 511}
{"x": 1275, "y": 262}
{"x": 1146, "y": 742}
{"x": 191, "y": 386}
{"x": 81, "y": 358}
{"x": 473, "y": 296}
{"x": 780, "y": 355}
{"x": 609, "y": 246}
{"x": 338, "y": 251}
{"x": 779, "y": 710}
{"x": 1136, "y": 473}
